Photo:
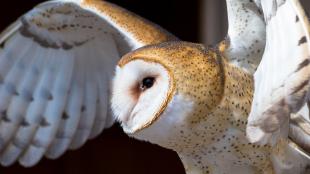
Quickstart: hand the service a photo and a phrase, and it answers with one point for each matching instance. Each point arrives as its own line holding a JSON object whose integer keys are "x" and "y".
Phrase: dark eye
{"x": 147, "y": 83}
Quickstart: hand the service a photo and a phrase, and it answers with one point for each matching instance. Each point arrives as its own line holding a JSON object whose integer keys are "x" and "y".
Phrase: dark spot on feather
{"x": 300, "y": 87}
{"x": 65, "y": 116}
{"x": 83, "y": 109}
{"x": 66, "y": 46}
{"x": 297, "y": 19}
{"x": 3, "y": 113}
{"x": 10, "y": 87}
{"x": 302, "y": 40}
{"x": 2, "y": 45}
{"x": 303, "y": 64}
{"x": 25, "y": 31}
{"x": 282, "y": 103}
{"x": 46, "y": 94}
{"x": 24, "y": 123}
{"x": 260, "y": 11}
{"x": 6, "y": 118}
{"x": 51, "y": 29}
{"x": 27, "y": 95}
{"x": 44, "y": 123}
{"x": 50, "y": 97}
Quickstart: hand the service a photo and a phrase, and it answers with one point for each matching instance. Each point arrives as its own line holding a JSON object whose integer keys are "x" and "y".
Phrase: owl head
{"x": 160, "y": 90}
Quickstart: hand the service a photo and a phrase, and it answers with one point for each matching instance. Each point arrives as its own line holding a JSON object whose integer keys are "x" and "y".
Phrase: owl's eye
{"x": 147, "y": 83}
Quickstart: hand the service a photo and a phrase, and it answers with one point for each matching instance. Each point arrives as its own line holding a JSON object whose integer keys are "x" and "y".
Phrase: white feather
{"x": 68, "y": 126}
{"x": 246, "y": 34}
{"x": 89, "y": 104}
{"x": 280, "y": 87}
{"x": 11, "y": 116}
{"x": 8, "y": 56}
{"x": 103, "y": 76}
{"x": 62, "y": 72}
{"x": 20, "y": 102}
{"x": 36, "y": 110}
{"x": 23, "y": 134}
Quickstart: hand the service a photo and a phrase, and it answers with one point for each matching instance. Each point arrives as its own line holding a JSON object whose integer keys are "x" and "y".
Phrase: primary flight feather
{"x": 281, "y": 81}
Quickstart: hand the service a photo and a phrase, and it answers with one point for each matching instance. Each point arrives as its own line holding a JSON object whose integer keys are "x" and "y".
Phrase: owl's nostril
{"x": 147, "y": 83}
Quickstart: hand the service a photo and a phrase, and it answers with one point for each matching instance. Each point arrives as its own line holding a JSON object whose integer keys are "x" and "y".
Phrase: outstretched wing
{"x": 282, "y": 78}
{"x": 245, "y": 42}
{"x": 56, "y": 62}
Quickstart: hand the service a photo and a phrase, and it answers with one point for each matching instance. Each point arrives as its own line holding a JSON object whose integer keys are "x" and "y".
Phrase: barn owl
{"x": 56, "y": 66}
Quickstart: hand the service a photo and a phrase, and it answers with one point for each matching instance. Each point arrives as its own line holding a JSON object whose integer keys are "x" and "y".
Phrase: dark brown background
{"x": 113, "y": 152}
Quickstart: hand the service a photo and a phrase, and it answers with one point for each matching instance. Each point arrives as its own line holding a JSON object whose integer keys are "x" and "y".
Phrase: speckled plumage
{"x": 214, "y": 131}
{"x": 245, "y": 42}
{"x": 142, "y": 30}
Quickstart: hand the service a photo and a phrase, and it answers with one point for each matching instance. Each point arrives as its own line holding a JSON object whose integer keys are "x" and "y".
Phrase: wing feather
{"x": 56, "y": 63}
{"x": 103, "y": 92}
{"x": 25, "y": 132}
{"x": 19, "y": 105}
{"x": 281, "y": 81}
{"x": 35, "y": 110}
{"x": 72, "y": 113}
{"x": 11, "y": 116}
{"x": 88, "y": 107}
{"x": 246, "y": 39}
{"x": 56, "y": 100}
{"x": 300, "y": 132}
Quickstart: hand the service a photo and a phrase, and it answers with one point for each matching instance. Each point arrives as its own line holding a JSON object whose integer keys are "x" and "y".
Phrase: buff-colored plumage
{"x": 212, "y": 137}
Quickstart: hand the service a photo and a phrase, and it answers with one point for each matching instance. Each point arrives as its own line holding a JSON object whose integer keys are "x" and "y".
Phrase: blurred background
{"x": 202, "y": 21}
